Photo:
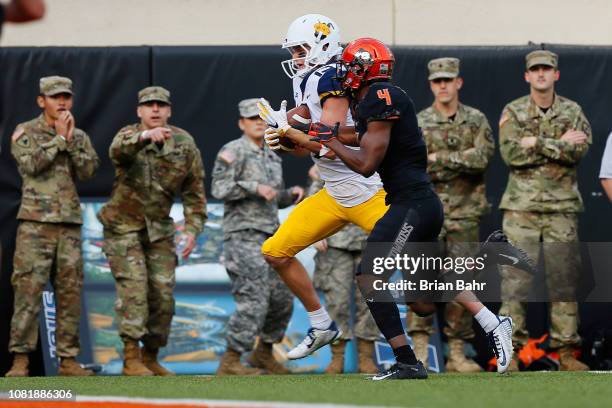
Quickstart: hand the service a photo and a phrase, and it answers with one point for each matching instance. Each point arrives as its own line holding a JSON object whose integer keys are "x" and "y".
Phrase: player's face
{"x": 253, "y": 127}
{"x": 541, "y": 77}
{"x": 54, "y": 105}
{"x": 298, "y": 54}
{"x": 446, "y": 90}
{"x": 154, "y": 114}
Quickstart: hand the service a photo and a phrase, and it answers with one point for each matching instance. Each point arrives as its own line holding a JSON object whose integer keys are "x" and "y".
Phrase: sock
{"x": 387, "y": 318}
{"x": 486, "y": 319}
{"x": 319, "y": 319}
{"x": 405, "y": 355}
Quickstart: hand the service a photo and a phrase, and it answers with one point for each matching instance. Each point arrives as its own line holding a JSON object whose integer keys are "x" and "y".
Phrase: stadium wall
{"x": 249, "y": 22}
{"x": 207, "y": 82}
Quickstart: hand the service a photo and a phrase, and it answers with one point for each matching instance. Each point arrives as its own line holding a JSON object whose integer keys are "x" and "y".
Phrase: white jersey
{"x": 343, "y": 184}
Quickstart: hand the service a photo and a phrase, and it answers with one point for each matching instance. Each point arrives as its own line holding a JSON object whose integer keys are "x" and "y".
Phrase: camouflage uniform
{"x": 263, "y": 302}
{"x": 540, "y": 203}
{"x": 49, "y": 231}
{"x": 463, "y": 148}
{"x": 138, "y": 229}
{"x": 334, "y": 274}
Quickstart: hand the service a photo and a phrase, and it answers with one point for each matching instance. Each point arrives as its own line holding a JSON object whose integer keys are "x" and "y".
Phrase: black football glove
{"x": 321, "y": 133}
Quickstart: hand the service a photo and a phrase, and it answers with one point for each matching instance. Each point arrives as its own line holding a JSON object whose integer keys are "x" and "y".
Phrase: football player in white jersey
{"x": 313, "y": 41}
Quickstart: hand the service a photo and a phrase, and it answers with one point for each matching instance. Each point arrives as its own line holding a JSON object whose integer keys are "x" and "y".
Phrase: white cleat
{"x": 500, "y": 340}
{"x": 314, "y": 340}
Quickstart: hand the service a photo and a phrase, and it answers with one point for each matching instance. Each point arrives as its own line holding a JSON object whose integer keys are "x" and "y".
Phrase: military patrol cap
{"x": 154, "y": 93}
{"x": 53, "y": 85}
{"x": 248, "y": 108}
{"x": 443, "y": 68}
{"x": 541, "y": 57}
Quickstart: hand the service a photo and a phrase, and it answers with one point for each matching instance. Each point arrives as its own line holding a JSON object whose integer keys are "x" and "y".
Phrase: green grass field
{"x": 519, "y": 390}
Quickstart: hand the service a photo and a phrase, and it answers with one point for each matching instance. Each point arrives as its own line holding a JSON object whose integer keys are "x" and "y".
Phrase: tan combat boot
{"x": 20, "y": 366}
{"x": 263, "y": 357}
{"x": 457, "y": 363}
{"x": 230, "y": 365}
{"x": 365, "y": 349}
{"x": 336, "y": 366}
{"x": 70, "y": 367}
{"x": 420, "y": 343}
{"x": 132, "y": 362}
{"x": 568, "y": 361}
{"x": 149, "y": 359}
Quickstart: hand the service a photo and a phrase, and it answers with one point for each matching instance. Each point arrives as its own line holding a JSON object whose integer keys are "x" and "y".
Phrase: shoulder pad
{"x": 383, "y": 101}
{"x": 328, "y": 85}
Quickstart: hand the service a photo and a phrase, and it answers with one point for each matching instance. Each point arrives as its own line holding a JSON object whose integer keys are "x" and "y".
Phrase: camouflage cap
{"x": 154, "y": 93}
{"x": 248, "y": 108}
{"x": 443, "y": 68}
{"x": 541, "y": 57}
{"x": 53, "y": 85}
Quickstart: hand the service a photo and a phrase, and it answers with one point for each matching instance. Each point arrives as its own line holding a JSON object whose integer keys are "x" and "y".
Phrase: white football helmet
{"x": 319, "y": 38}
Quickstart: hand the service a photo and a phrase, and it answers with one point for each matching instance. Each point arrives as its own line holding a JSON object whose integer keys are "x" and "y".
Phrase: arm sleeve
{"x": 226, "y": 184}
{"x": 83, "y": 156}
{"x": 31, "y": 158}
{"x": 565, "y": 152}
{"x": 510, "y": 134}
{"x": 125, "y": 146}
{"x": 606, "y": 160}
{"x": 475, "y": 159}
{"x": 193, "y": 196}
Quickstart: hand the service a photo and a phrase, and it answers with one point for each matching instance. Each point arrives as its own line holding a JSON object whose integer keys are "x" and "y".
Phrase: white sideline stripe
{"x": 215, "y": 403}
{"x": 552, "y": 372}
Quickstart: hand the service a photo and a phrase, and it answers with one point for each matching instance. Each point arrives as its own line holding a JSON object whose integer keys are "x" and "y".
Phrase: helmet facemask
{"x": 292, "y": 66}
{"x": 351, "y": 74}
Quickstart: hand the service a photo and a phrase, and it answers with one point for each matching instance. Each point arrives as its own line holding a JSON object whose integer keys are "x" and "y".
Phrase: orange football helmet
{"x": 363, "y": 61}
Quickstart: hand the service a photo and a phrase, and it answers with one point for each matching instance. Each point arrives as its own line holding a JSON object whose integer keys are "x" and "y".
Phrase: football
{"x": 300, "y": 115}
{"x": 299, "y": 118}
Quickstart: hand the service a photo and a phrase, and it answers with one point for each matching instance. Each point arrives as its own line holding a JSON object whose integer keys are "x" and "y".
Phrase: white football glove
{"x": 272, "y": 138}
{"x": 274, "y": 119}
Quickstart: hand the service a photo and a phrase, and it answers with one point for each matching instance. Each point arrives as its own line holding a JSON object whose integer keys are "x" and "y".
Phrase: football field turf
{"x": 519, "y": 390}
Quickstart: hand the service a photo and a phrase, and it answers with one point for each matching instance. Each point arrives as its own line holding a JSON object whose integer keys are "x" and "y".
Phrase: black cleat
{"x": 401, "y": 371}
{"x": 500, "y": 250}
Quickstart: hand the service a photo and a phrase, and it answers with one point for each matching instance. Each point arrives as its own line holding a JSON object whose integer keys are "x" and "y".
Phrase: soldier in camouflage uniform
{"x": 459, "y": 145}
{"x": 248, "y": 177}
{"x": 542, "y": 137}
{"x": 153, "y": 162}
{"x": 335, "y": 263}
{"x": 50, "y": 153}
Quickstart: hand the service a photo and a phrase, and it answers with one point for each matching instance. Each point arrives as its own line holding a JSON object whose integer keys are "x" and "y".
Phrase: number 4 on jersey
{"x": 384, "y": 94}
